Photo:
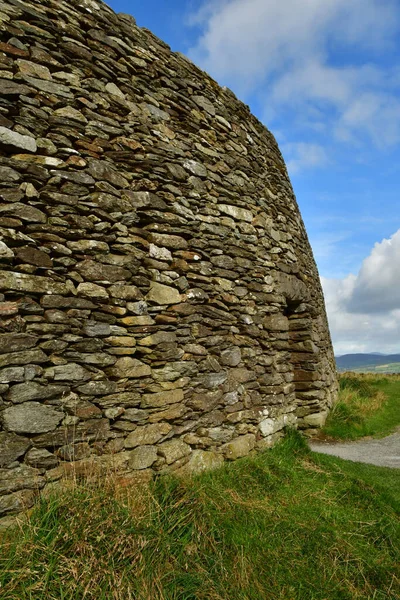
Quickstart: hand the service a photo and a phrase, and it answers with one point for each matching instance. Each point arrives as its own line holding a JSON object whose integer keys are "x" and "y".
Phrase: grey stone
{"x": 50, "y": 87}
{"x": 142, "y": 457}
{"x": 86, "y": 431}
{"x": 26, "y": 67}
{"x": 5, "y": 251}
{"x": 147, "y": 435}
{"x": 73, "y": 452}
{"x": 93, "y": 271}
{"x": 114, "y": 90}
{"x": 13, "y": 342}
{"x": 160, "y": 399}
{"x": 103, "y": 170}
{"x": 240, "y": 446}
{"x": 12, "y": 88}
{"x": 174, "y": 450}
{"x": 22, "y": 477}
{"x": 88, "y": 247}
{"x": 24, "y": 212}
{"x": 98, "y": 388}
{"x": 9, "y": 175}
{"x": 212, "y": 380}
{"x": 16, "y": 140}
{"x": 137, "y": 308}
{"x": 195, "y": 168}
{"x": 276, "y": 322}
{"x": 92, "y": 290}
{"x": 68, "y": 112}
{"x": 130, "y": 368}
{"x": 23, "y": 358}
{"x": 40, "y": 458}
{"x": 141, "y": 200}
{"x": 205, "y": 104}
{"x": 71, "y": 372}
{"x": 201, "y": 461}
{"x": 160, "y": 337}
{"x": 114, "y": 413}
{"x": 135, "y": 414}
{"x": 158, "y": 114}
{"x": 96, "y": 329}
{"x": 19, "y": 282}
{"x": 12, "y": 446}
{"x": 316, "y": 420}
{"x": 12, "y": 374}
{"x": 231, "y": 356}
{"x": 30, "y": 417}
{"x": 241, "y": 214}
{"x": 175, "y": 370}
{"x": 23, "y": 392}
{"x": 159, "y": 253}
{"x": 269, "y": 426}
{"x": 125, "y": 292}
{"x": 163, "y": 294}
{"x": 169, "y": 241}
{"x": 17, "y": 502}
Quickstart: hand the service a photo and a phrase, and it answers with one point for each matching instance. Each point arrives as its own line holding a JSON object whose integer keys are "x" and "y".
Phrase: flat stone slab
{"x": 384, "y": 452}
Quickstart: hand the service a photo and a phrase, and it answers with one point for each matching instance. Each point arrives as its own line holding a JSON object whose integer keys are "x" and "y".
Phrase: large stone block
{"x": 34, "y": 284}
{"x": 163, "y": 294}
{"x": 147, "y": 435}
{"x": 161, "y": 399}
{"x": 14, "y": 342}
{"x": 142, "y": 457}
{"x": 239, "y": 447}
{"x": 201, "y": 461}
{"x": 30, "y": 417}
{"x": 24, "y": 392}
{"x": 12, "y": 446}
{"x": 174, "y": 450}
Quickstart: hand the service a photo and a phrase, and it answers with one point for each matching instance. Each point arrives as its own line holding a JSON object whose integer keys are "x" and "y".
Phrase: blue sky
{"x": 324, "y": 77}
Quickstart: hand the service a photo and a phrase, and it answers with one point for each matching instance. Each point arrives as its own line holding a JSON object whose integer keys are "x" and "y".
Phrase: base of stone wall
{"x": 116, "y": 470}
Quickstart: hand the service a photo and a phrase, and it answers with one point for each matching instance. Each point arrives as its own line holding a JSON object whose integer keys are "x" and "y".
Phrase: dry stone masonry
{"x": 160, "y": 306}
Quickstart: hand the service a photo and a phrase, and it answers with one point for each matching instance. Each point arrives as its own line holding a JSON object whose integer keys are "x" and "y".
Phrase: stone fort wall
{"x": 160, "y": 306}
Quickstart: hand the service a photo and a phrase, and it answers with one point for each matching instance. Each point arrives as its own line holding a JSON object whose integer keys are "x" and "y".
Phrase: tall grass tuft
{"x": 368, "y": 405}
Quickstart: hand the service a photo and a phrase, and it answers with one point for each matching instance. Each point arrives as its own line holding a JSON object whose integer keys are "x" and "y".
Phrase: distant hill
{"x": 373, "y": 362}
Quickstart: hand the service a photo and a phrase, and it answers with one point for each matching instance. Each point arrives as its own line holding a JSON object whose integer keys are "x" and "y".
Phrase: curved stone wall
{"x": 160, "y": 305}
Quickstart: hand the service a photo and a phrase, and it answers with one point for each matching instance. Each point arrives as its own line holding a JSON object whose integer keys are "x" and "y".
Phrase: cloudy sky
{"x": 324, "y": 77}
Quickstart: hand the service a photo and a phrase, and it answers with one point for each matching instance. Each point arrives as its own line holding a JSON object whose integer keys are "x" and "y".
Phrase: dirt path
{"x": 383, "y": 453}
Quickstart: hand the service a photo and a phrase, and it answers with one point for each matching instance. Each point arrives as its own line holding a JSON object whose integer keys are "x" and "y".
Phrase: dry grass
{"x": 282, "y": 525}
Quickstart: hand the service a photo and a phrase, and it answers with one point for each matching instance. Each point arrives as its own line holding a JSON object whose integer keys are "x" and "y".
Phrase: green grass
{"x": 388, "y": 368}
{"x": 368, "y": 405}
{"x": 284, "y": 524}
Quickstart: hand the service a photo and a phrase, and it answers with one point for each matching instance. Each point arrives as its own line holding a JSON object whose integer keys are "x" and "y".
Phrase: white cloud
{"x": 288, "y": 48}
{"x": 377, "y": 287}
{"x": 302, "y": 155}
{"x": 364, "y": 309}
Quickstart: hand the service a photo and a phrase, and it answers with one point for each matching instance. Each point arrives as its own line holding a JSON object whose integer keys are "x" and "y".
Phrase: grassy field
{"x": 284, "y": 524}
{"x": 379, "y": 369}
{"x": 369, "y": 405}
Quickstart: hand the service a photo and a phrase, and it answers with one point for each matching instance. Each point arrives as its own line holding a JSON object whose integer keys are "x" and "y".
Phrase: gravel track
{"x": 384, "y": 452}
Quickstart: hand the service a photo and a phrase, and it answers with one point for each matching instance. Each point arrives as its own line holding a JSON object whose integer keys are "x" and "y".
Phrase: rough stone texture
{"x": 160, "y": 307}
{"x": 12, "y": 446}
{"x": 30, "y": 417}
{"x": 142, "y": 457}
